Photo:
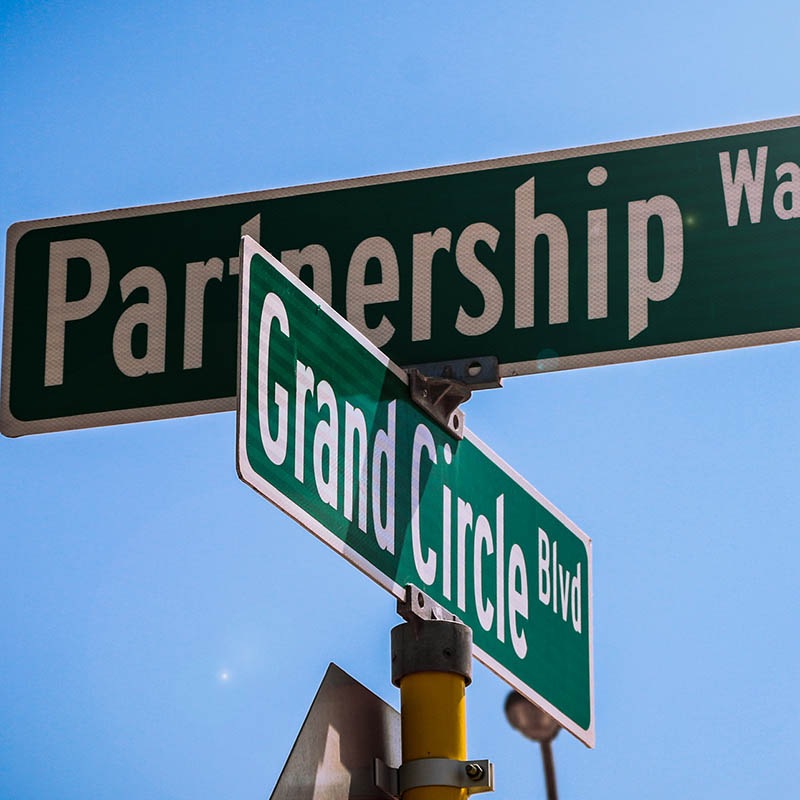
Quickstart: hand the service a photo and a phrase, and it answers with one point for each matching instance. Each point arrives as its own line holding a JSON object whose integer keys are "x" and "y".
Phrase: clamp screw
{"x": 474, "y": 771}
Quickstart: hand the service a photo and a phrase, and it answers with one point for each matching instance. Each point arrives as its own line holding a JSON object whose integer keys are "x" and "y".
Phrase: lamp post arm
{"x": 549, "y": 770}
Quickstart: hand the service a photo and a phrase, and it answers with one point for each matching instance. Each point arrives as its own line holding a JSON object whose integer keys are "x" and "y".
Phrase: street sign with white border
{"x": 327, "y": 431}
{"x": 595, "y": 255}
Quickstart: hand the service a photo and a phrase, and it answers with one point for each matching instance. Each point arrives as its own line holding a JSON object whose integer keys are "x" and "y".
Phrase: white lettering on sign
{"x": 597, "y": 251}
{"x": 355, "y": 424}
{"x": 424, "y": 564}
{"x": 641, "y": 290}
{"x": 517, "y": 599}
{"x": 557, "y": 583}
{"x": 424, "y": 247}
{"x": 482, "y": 542}
{"x": 462, "y": 260}
{"x": 326, "y": 465}
{"x": 143, "y": 351}
{"x": 528, "y": 227}
{"x": 198, "y": 275}
{"x": 274, "y": 447}
{"x": 480, "y": 276}
{"x": 383, "y": 469}
{"x": 747, "y": 182}
{"x": 447, "y": 546}
{"x": 326, "y": 439}
{"x": 744, "y": 181}
{"x": 150, "y": 315}
{"x": 464, "y": 523}
{"x": 60, "y": 311}
{"x": 788, "y": 189}
{"x": 304, "y": 385}
{"x": 360, "y": 294}
{"x": 458, "y": 544}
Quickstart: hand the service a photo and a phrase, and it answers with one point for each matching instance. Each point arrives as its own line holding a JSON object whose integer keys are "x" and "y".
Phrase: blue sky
{"x": 137, "y": 569}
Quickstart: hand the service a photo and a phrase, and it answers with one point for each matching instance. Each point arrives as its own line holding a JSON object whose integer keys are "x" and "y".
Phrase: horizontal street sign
{"x": 326, "y": 430}
{"x": 594, "y": 255}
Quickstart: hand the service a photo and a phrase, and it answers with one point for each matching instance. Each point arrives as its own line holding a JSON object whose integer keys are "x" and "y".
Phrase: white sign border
{"x": 11, "y": 426}
{"x": 249, "y": 248}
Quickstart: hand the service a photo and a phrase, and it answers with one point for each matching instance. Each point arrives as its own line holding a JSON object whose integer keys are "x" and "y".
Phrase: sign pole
{"x": 432, "y": 666}
{"x": 432, "y": 702}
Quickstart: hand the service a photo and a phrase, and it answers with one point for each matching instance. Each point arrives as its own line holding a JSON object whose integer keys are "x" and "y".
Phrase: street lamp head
{"x": 529, "y": 719}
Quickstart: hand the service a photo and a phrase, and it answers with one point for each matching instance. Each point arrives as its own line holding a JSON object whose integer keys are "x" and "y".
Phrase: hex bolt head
{"x": 474, "y": 771}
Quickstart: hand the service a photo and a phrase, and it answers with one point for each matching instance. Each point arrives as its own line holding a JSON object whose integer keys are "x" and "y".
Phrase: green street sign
{"x": 596, "y": 255}
{"x": 327, "y": 431}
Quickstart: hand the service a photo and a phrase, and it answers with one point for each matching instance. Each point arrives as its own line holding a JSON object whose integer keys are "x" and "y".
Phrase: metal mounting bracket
{"x": 430, "y": 640}
{"x": 481, "y": 372}
{"x": 476, "y": 775}
{"x": 418, "y": 605}
{"x": 440, "y": 398}
{"x": 439, "y": 388}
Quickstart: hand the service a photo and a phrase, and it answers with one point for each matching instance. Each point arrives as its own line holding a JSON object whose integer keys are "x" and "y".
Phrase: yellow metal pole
{"x": 433, "y": 723}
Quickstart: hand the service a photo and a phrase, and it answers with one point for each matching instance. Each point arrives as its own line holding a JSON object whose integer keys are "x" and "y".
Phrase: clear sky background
{"x": 136, "y": 569}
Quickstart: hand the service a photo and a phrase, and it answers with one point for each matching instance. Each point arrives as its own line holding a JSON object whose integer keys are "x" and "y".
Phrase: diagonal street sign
{"x": 327, "y": 431}
{"x": 595, "y": 255}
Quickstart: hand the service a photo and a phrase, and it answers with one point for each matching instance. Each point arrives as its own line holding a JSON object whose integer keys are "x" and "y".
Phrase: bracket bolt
{"x": 474, "y": 771}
